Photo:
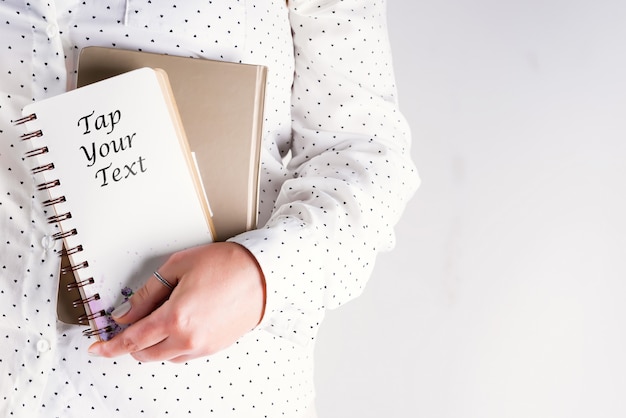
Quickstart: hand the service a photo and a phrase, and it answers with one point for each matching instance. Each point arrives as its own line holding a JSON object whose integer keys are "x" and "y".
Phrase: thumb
{"x": 142, "y": 302}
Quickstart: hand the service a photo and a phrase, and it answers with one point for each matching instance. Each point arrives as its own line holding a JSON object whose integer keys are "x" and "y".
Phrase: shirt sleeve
{"x": 351, "y": 166}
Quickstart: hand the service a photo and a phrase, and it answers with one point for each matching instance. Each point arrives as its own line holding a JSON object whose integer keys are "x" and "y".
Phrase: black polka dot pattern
{"x": 335, "y": 177}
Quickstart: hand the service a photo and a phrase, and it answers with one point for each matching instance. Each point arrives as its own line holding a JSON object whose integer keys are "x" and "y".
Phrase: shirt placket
{"x": 37, "y": 281}
{"x": 49, "y": 69}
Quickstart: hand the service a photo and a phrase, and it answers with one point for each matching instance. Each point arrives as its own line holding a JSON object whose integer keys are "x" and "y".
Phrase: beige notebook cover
{"x": 221, "y": 106}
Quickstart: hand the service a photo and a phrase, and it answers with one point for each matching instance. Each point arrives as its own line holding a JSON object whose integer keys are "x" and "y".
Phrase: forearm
{"x": 352, "y": 172}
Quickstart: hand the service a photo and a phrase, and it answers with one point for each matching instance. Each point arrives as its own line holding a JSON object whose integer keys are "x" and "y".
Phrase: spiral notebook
{"x": 122, "y": 185}
{"x": 221, "y": 107}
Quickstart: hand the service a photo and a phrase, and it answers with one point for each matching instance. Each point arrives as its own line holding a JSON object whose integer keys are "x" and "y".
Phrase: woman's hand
{"x": 219, "y": 295}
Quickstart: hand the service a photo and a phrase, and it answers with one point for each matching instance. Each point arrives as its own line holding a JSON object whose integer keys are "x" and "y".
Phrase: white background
{"x": 506, "y": 294}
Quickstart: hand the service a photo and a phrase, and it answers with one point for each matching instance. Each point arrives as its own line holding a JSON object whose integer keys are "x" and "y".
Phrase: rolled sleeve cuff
{"x": 289, "y": 257}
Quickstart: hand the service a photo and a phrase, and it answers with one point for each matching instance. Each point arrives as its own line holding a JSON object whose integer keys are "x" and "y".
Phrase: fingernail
{"x": 121, "y": 310}
{"x": 93, "y": 351}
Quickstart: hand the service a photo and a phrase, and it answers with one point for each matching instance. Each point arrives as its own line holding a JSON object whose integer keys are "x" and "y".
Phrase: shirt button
{"x": 52, "y": 30}
{"x": 43, "y": 346}
{"x": 47, "y": 242}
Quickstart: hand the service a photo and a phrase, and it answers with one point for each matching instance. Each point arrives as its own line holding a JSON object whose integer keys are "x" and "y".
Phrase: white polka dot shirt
{"x": 335, "y": 177}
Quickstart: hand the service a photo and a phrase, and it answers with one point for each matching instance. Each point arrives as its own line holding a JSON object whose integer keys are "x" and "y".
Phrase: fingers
{"x": 140, "y": 336}
{"x": 142, "y": 310}
{"x": 219, "y": 296}
{"x": 169, "y": 349}
{"x": 153, "y": 338}
{"x": 142, "y": 302}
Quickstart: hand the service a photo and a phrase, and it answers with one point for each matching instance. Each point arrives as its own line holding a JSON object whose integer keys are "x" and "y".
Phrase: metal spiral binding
{"x": 55, "y": 201}
{"x": 49, "y": 185}
{"x": 52, "y": 201}
{"x": 58, "y": 218}
{"x": 36, "y": 151}
{"x": 71, "y": 251}
{"x": 30, "y": 135}
{"x": 97, "y": 332}
{"x": 42, "y": 168}
{"x": 25, "y": 119}
{"x": 84, "y": 319}
{"x": 65, "y": 234}
{"x": 74, "y": 267}
{"x": 82, "y": 283}
{"x": 86, "y": 300}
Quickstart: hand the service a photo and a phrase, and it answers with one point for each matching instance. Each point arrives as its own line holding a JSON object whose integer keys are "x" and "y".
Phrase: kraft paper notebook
{"x": 121, "y": 185}
{"x": 221, "y": 106}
